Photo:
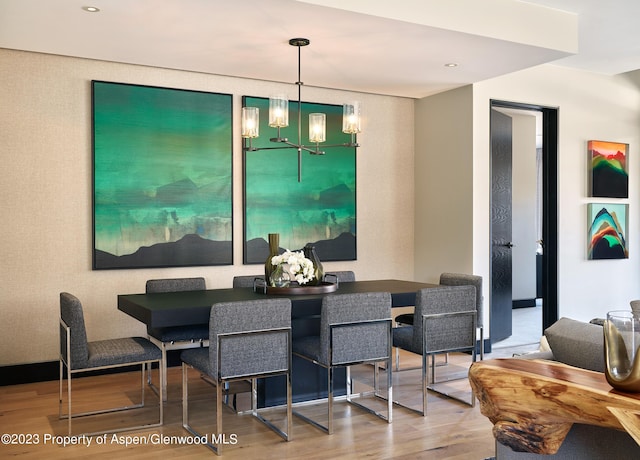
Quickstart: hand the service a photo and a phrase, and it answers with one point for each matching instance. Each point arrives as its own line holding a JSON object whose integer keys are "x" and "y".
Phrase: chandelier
{"x": 279, "y": 118}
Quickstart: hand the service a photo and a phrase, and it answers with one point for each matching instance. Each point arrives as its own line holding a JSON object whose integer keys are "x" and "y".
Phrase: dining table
{"x": 171, "y": 309}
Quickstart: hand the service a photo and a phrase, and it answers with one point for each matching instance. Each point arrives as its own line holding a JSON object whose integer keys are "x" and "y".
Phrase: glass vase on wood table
{"x": 622, "y": 350}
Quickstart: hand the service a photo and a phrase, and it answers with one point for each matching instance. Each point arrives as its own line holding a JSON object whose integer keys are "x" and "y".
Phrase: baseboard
{"x": 29, "y": 373}
{"x": 524, "y": 303}
{"x": 487, "y": 347}
{"x": 50, "y": 370}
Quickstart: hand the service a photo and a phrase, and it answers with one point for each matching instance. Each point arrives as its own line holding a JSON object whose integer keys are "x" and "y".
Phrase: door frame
{"x": 549, "y": 204}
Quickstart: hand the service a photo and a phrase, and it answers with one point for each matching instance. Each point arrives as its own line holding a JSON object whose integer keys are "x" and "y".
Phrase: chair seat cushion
{"x": 406, "y": 318}
{"x": 199, "y": 359}
{"x": 403, "y": 338}
{"x": 307, "y": 346}
{"x": 115, "y": 352}
{"x": 195, "y": 333}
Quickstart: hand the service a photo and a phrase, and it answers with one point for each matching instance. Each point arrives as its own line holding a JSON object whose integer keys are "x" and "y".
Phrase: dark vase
{"x": 318, "y": 272}
{"x": 274, "y": 250}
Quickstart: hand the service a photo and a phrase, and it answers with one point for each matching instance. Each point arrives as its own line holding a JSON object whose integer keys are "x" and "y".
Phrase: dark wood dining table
{"x": 171, "y": 309}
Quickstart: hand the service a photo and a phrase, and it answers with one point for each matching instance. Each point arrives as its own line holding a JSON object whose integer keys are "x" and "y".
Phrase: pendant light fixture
{"x": 279, "y": 118}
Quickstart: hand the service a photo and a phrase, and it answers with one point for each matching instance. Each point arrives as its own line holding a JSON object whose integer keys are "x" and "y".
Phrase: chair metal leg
{"x": 376, "y": 390}
{"x": 185, "y": 397}
{"x": 286, "y": 435}
{"x": 389, "y": 391}
{"x": 425, "y": 358}
{"x": 433, "y": 387}
{"x": 329, "y": 427}
{"x": 218, "y": 448}
{"x": 330, "y": 396}
{"x": 70, "y": 415}
{"x": 397, "y": 358}
{"x": 185, "y": 411}
{"x": 162, "y": 371}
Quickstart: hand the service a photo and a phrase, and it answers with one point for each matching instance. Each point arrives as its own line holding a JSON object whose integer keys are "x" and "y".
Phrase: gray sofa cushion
{"x": 577, "y": 344}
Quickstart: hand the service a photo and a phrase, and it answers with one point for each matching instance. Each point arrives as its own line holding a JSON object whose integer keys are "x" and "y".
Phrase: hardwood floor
{"x": 451, "y": 430}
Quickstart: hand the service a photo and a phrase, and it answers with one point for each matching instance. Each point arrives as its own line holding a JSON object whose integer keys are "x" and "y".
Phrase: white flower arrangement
{"x": 299, "y": 267}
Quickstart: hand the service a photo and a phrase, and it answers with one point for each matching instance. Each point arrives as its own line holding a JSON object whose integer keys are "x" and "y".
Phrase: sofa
{"x": 578, "y": 344}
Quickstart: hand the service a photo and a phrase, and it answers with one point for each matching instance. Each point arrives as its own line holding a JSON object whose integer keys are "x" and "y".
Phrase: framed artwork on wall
{"x": 319, "y": 209}
{"x": 608, "y": 230}
{"x": 162, "y": 177}
{"x": 609, "y": 176}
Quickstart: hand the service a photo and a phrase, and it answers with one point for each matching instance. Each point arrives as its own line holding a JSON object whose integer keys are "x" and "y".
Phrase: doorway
{"x": 501, "y": 298}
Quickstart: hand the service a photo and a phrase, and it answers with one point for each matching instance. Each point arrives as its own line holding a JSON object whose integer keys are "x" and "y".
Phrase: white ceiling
{"x": 397, "y": 48}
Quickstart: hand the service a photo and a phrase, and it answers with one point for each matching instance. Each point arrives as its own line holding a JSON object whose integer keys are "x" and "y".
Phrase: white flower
{"x": 299, "y": 267}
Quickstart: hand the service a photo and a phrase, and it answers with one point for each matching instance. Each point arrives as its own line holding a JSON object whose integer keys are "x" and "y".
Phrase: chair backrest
{"x": 365, "y": 334}
{"x": 447, "y": 332}
{"x": 345, "y": 276}
{"x": 460, "y": 279}
{"x": 245, "y": 281}
{"x": 175, "y": 285}
{"x": 255, "y": 352}
{"x": 71, "y": 313}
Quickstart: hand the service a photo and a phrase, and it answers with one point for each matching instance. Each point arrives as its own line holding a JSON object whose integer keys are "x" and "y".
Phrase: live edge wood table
{"x": 533, "y": 403}
{"x": 193, "y": 307}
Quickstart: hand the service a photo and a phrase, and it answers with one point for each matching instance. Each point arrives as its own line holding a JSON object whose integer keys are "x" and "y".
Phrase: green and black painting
{"x": 320, "y": 208}
{"x": 162, "y": 184}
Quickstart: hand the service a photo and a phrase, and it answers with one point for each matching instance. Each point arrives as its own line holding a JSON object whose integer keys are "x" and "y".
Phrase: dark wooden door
{"x": 501, "y": 167}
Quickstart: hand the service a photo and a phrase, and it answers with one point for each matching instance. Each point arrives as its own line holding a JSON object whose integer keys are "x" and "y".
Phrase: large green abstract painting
{"x": 162, "y": 185}
{"x": 320, "y": 209}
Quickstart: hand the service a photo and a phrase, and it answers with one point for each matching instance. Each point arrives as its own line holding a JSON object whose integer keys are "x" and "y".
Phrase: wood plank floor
{"x": 451, "y": 429}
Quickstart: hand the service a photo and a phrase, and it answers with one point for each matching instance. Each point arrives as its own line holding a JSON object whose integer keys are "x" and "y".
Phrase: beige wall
{"x": 45, "y": 146}
{"x": 444, "y": 184}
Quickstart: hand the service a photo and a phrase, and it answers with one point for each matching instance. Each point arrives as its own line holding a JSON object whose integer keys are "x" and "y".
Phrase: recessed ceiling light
{"x": 91, "y": 9}
{"x": 451, "y": 64}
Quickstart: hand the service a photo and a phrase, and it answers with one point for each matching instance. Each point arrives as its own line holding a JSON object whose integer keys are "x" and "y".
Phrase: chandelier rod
{"x": 299, "y": 42}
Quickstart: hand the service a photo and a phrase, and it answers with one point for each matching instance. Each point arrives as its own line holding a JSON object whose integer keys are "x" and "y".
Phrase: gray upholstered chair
{"x": 249, "y": 281}
{"x": 447, "y": 323}
{"x": 247, "y": 340}
{"x": 461, "y": 279}
{"x": 177, "y": 337}
{"x": 345, "y": 276}
{"x": 456, "y": 279}
{"x": 354, "y": 329}
{"x": 78, "y": 355}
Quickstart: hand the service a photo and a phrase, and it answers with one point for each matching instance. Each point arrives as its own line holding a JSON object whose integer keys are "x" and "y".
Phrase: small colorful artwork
{"x": 608, "y": 228}
{"x": 609, "y": 169}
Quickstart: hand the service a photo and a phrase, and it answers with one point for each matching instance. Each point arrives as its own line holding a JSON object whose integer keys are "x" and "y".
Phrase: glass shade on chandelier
{"x": 250, "y": 122}
{"x": 317, "y": 127}
{"x": 278, "y": 111}
{"x": 351, "y": 118}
